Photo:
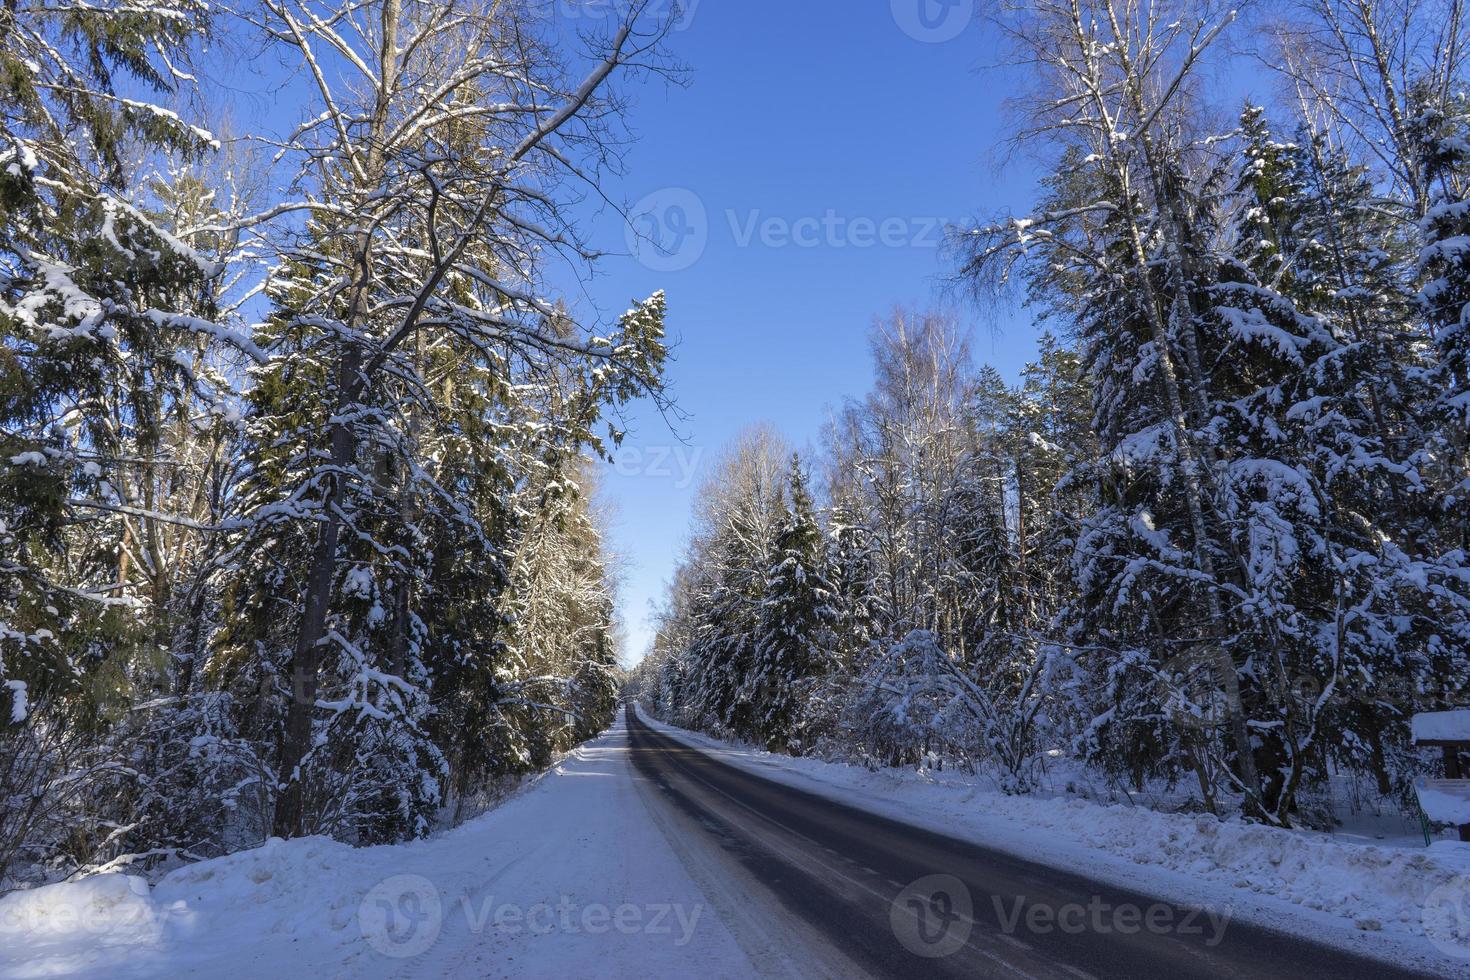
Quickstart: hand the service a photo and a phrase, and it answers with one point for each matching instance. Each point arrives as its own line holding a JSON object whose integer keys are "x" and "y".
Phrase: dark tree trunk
{"x": 290, "y": 817}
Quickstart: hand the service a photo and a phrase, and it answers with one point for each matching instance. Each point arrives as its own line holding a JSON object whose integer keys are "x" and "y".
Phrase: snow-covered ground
{"x": 568, "y": 878}
{"x": 1407, "y": 904}
{"x": 573, "y": 877}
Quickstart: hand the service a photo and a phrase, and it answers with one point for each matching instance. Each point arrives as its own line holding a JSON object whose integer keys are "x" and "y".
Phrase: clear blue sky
{"x": 861, "y": 141}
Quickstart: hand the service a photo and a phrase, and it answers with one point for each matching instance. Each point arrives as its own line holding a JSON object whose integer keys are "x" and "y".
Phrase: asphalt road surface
{"x": 891, "y": 900}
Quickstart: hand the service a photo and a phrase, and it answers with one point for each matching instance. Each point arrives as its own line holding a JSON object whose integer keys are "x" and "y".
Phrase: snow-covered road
{"x": 639, "y": 856}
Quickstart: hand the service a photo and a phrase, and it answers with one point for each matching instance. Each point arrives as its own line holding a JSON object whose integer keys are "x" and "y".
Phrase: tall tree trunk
{"x": 352, "y": 387}
{"x": 306, "y": 658}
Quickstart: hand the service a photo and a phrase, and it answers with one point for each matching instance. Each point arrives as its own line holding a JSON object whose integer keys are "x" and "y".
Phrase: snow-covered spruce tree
{"x": 1388, "y": 455}
{"x": 1345, "y": 577}
{"x": 996, "y": 525}
{"x": 857, "y": 611}
{"x": 727, "y": 624}
{"x": 980, "y": 580}
{"x": 795, "y": 641}
{"x": 1386, "y": 80}
{"x": 711, "y": 630}
{"x": 723, "y": 618}
{"x": 437, "y": 156}
{"x": 1442, "y": 129}
{"x": 661, "y": 680}
{"x": 1117, "y": 250}
{"x": 1056, "y": 491}
{"x": 180, "y": 782}
{"x": 592, "y": 700}
{"x": 561, "y": 648}
{"x": 1262, "y": 567}
{"x": 851, "y": 574}
{"x": 88, "y": 286}
{"x": 114, "y": 395}
{"x": 1056, "y": 485}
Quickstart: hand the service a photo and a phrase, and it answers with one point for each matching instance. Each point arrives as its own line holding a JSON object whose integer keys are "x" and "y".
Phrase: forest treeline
{"x": 1216, "y": 537}
{"x": 297, "y": 533}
